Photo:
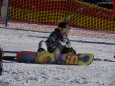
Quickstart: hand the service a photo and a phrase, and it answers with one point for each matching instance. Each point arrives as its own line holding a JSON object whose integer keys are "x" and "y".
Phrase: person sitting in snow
{"x": 58, "y": 41}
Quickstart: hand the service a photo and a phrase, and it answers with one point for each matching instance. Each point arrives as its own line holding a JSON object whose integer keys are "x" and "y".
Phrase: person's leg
{"x": 42, "y": 46}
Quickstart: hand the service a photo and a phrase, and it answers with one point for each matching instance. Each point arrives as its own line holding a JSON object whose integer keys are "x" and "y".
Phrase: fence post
{"x": 6, "y": 23}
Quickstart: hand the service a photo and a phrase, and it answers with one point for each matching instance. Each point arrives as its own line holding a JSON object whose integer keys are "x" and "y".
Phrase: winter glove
{"x": 64, "y": 50}
{"x": 71, "y": 51}
{"x": 68, "y": 50}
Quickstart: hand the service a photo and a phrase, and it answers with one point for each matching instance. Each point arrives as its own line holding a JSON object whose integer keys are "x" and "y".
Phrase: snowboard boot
{"x": 42, "y": 47}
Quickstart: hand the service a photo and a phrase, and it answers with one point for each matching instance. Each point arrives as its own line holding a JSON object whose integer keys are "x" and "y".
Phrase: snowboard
{"x": 51, "y": 58}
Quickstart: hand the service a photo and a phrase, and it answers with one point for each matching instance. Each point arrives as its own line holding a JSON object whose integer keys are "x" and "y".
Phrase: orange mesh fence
{"x": 91, "y": 17}
{"x": 113, "y": 8}
{"x": 37, "y": 11}
{"x": 50, "y": 12}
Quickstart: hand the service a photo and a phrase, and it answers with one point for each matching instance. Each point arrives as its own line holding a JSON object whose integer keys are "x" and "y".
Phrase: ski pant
{"x": 43, "y": 45}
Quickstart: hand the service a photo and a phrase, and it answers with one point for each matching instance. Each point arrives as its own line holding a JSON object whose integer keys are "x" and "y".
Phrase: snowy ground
{"x": 100, "y": 73}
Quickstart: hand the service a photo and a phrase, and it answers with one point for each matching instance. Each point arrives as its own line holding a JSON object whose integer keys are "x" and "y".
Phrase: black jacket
{"x": 55, "y": 40}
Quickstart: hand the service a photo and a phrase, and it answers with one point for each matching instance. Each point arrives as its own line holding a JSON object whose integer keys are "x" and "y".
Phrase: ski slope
{"x": 100, "y": 73}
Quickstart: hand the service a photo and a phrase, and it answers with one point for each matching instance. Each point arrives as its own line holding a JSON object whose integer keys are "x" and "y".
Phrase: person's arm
{"x": 68, "y": 49}
{"x": 53, "y": 41}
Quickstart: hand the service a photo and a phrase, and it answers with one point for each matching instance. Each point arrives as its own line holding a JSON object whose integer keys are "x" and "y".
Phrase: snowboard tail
{"x": 50, "y": 58}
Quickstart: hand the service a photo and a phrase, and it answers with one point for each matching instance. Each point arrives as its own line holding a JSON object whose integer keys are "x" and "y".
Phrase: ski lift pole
{"x": 6, "y": 23}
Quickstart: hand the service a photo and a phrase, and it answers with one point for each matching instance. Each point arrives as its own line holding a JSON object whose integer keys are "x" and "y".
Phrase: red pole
{"x": 113, "y": 9}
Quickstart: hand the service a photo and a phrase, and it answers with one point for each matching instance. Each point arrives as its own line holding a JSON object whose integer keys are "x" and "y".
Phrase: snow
{"x": 100, "y": 73}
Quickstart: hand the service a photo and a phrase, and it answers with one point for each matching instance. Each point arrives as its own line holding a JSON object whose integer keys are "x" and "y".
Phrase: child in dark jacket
{"x": 58, "y": 41}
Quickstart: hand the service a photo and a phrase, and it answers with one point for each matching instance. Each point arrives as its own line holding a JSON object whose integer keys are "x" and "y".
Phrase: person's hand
{"x": 71, "y": 50}
{"x": 67, "y": 42}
